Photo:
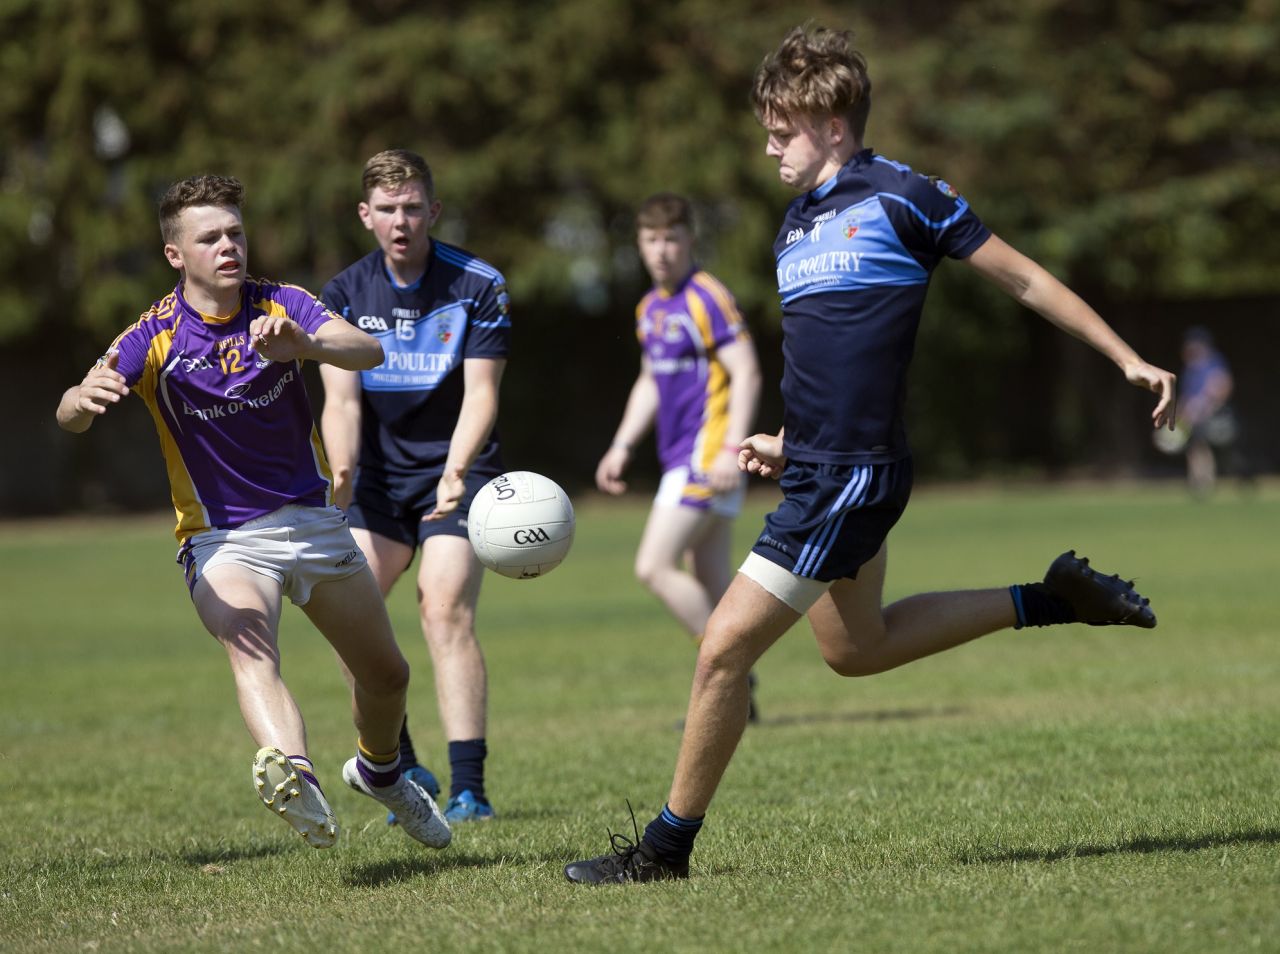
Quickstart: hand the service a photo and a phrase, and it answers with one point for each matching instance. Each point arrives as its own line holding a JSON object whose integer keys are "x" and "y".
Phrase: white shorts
{"x": 680, "y": 487}
{"x": 296, "y": 546}
{"x": 798, "y": 592}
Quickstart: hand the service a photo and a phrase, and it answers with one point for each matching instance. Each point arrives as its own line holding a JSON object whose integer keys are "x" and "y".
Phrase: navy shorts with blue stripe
{"x": 394, "y": 509}
{"x": 834, "y": 518}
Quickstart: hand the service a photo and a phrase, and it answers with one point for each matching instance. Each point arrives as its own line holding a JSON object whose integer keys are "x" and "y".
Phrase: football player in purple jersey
{"x": 413, "y": 439}
{"x": 218, "y": 362}
{"x": 699, "y": 383}
{"x": 854, "y": 255}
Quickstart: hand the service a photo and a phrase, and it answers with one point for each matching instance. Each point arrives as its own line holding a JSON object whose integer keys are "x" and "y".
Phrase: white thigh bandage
{"x": 798, "y": 592}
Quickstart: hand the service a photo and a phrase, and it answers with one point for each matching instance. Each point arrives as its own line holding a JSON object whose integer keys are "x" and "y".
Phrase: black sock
{"x": 671, "y": 837}
{"x": 408, "y": 759}
{"x": 1036, "y": 606}
{"x": 466, "y": 768}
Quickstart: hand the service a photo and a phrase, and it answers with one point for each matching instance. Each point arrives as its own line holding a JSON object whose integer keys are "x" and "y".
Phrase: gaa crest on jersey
{"x": 852, "y": 222}
{"x": 945, "y": 187}
{"x": 504, "y": 301}
{"x": 444, "y": 331}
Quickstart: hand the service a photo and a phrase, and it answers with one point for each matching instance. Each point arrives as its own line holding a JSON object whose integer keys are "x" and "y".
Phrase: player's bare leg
{"x": 709, "y": 561}
{"x": 746, "y": 623}
{"x": 352, "y": 616}
{"x": 241, "y": 609}
{"x": 669, "y": 533}
{"x": 449, "y": 579}
{"x": 858, "y": 637}
{"x": 388, "y": 559}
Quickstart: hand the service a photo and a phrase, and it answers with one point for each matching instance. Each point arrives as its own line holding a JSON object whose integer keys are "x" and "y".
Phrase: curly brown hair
{"x": 814, "y": 72}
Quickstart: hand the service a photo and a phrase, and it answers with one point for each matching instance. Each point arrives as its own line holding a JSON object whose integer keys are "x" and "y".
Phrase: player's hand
{"x": 1161, "y": 382}
{"x": 102, "y": 387}
{"x": 279, "y": 338}
{"x": 343, "y": 490}
{"x": 762, "y": 455}
{"x": 610, "y": 470}
{"x": 724, "y": 474}
{"x": 449, "y": 493}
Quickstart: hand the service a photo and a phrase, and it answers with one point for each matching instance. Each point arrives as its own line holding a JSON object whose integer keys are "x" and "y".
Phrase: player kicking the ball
{"x": 218, "y": 362}
{"x": 854, "y": 256}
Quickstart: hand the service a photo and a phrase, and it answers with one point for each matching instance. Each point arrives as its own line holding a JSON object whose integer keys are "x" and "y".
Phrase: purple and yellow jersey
{"x": 680, "y": 333}
{"x": 236, "y": 429}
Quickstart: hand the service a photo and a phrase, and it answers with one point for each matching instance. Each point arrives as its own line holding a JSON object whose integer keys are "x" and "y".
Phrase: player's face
{"x": 400, "y": 219}
{"x": 210, "y": 249}
{"x": 667, "y": 253}
{"x": 804, "y": 149}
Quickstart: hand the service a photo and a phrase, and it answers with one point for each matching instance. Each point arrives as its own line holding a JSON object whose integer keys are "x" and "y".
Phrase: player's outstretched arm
{"x": 637, "y": 418}
{"x": 1032, "y": 285}
{"x": 340, "y": 428}
{"x": 101, "y": 388}
{"x": 335, "y": 342}
{"x": 479, "y": 412}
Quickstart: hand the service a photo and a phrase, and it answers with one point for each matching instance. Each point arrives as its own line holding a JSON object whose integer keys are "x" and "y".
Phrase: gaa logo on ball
{"x": 521, "y": 524}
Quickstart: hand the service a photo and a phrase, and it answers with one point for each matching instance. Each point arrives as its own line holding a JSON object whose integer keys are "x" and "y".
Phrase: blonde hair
{"x": 196, "y": 190}
{"x": 815, "y": 72}
{"x": 392, "y": 168}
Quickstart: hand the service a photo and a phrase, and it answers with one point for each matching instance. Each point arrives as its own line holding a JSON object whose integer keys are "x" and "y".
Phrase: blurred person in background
{"x": 1206, "y": 412}
{"x": 699, "y": 382}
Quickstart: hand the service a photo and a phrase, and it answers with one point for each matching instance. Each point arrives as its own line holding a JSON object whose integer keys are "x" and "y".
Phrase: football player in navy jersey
{"x": 412, "y": 440}
{"x": 854, "y": 256}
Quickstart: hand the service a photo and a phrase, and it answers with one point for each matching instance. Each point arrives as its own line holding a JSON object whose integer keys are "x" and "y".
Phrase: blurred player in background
{"x": 413, "y": 439}
{"x": 854, "y": 255}
{"x": 1207, "y": 415}
{"x": 700, "y": 381}
{"x": 218, "y": 363}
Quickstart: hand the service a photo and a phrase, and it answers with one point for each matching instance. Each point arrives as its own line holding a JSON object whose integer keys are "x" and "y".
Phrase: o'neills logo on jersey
{"x": 233, "y": 408}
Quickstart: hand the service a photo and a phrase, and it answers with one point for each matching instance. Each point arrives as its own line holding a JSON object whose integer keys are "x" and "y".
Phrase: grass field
{"x": 1073, "y": 789}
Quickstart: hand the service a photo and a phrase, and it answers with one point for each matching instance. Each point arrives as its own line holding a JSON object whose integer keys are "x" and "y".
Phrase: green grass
{"x": 1072, "y": 790}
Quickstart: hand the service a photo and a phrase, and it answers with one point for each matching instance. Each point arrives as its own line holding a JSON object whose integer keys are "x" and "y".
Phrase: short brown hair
{"x": 196, "y": 190}
{"x": 392, "y": 168}
{"x": 815, "y": 72}
{"x": 663, "y": 211}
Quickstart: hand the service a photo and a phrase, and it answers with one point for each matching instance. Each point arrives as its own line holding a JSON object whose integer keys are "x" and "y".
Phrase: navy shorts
{"x": 397, "y": 512}
{"x": 834, "y": 518}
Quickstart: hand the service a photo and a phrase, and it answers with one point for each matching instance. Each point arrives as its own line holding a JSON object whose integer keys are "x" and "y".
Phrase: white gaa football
{"x": 521, "y": 524}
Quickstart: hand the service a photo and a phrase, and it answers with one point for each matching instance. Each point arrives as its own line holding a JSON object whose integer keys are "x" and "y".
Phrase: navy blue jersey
{"x": 854, "y": 258}
{"x": 409, "y": 404}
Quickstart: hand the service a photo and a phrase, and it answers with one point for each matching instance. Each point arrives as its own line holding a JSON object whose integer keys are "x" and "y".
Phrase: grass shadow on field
{"x": 1135, "y": 846}
{"x": 396, "y": 870}
{"x": 875, "y": 715}
{"x": 200, "y": 855}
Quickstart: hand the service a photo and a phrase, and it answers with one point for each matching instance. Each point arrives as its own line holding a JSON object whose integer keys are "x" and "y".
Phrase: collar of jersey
{"x": 858, "y": 158}
{"x": 664, "y": 294}
{"x": 208, "y": 319}
{"x": 414, "y": 285}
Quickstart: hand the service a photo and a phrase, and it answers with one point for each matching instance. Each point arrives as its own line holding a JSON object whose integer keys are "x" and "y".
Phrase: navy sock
{"x": 466, "y": 768}
{"x": 671, "y": 837}
{"x": 1036, "y": 606}
{"x": 408, "y": 758}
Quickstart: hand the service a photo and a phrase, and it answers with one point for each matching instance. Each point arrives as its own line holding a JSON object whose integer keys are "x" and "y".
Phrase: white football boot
{"x": 416, "y": 811}
{"x": 283, "y": 790}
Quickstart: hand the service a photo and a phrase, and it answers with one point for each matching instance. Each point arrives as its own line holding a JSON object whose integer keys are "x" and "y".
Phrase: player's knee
{"x": 851, "y": 663}
{"x": 387, "y": 678}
